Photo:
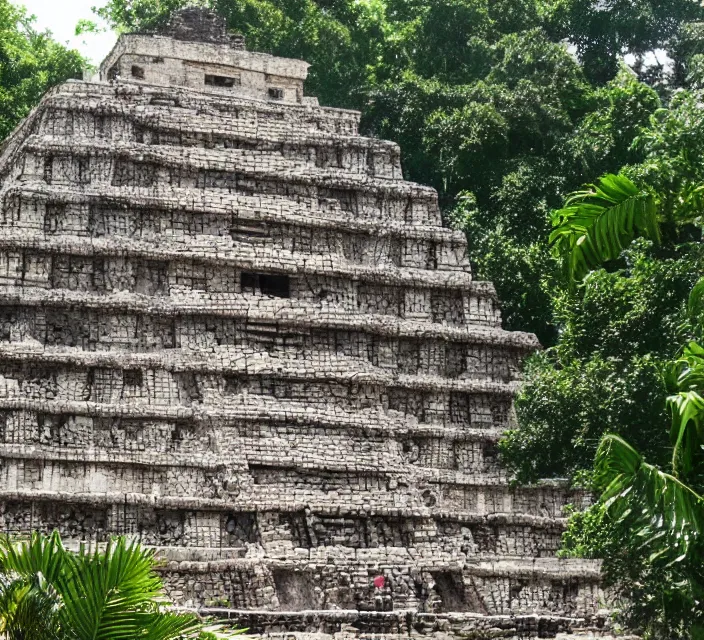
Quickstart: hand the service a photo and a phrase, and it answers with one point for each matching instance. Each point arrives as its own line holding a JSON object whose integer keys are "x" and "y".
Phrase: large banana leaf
{"x": 664, "y": 512}
{"x": 685, "y": 377}
{"x": 599, "y": 222}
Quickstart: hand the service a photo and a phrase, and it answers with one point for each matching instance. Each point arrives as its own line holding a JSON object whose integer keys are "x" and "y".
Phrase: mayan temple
{"x": 230, "y": 328}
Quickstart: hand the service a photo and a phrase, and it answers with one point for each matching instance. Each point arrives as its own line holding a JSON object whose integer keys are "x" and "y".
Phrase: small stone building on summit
{"x": 230, "y": 328}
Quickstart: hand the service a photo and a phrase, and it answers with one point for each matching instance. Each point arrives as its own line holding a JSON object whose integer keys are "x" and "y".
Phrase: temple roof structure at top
{"x": 195, "y": 50}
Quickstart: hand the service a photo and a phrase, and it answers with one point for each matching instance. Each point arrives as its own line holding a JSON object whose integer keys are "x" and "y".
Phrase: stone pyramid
{"x": 229, "y": 327}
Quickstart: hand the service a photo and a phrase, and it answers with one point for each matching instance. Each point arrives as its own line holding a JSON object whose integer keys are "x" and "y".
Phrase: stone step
{"x": 349, "y": 625}
{"x": 312, "y": 213}
{"x": 232, "y": 360}
{"x": 481, "y": 325}
{"x": 225, "y": 252}
{"x": 223, "y": 164}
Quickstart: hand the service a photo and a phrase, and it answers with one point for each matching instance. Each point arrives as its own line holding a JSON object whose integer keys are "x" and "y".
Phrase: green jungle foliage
{"x": 648, "y": 525}
{"x": 623, "y": 322}
{"x": 48, "y": 592}
{"x": 30, "y": 63}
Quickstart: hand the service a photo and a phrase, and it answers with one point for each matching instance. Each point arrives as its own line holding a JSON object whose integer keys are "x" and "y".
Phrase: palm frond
{"x": 599, "y": 222}
{"x": 686, "y": 373}
{"x": 657, "y": 505}
{"x": 113, "y": 595}
{"x": 40, "y": 554}
{"x": 106, "y": 594}
{"x": 686, "y": 430}
{"x": 29, "y": 608}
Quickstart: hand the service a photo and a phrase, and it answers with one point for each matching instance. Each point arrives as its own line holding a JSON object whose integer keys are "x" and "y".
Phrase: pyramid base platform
{"x": 392, "y": 625}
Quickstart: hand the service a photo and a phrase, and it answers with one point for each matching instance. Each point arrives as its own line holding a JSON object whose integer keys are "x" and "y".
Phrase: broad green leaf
{"x": 599, "y": 222}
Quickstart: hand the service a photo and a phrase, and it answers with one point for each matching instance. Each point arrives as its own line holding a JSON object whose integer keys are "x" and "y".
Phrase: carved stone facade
{"x": 230, "y": 328}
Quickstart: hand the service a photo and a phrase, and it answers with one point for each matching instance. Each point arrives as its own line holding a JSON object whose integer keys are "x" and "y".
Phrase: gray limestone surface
{"x": 230, "y": 328}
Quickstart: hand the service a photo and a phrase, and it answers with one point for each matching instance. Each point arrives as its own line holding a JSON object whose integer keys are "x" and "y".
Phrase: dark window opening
{"x": 278, "y": 286}
{"x": 233, "y": 384}
{"x": 163, "y": 101}
{"x": 248, "y": 282}
{"x": 181, "y": 431}
{"x": 266, "y": 284}
{"x": 84, "y": 169}
{"x": 132, "y": 377}
{"x": 490, "y": 451}
{"x": 48, "y": 169}
{"x": 449, "y": 587}
{"x": 432, "y": 260}
{"x": 241, "y": 527}
{"x": 221, "y": 81}
{"x": 137, "y": 72}
{"x": 275, "y": 93}
{"x": 51, "y": 427}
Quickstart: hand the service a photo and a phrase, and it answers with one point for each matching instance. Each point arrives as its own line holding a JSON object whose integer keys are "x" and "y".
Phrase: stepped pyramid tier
{"x": 229, "y": 327}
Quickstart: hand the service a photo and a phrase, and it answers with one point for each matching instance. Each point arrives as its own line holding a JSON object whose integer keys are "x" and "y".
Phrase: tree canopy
{"x": 30, "y": 63}
{"x": 626, "y": 320}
